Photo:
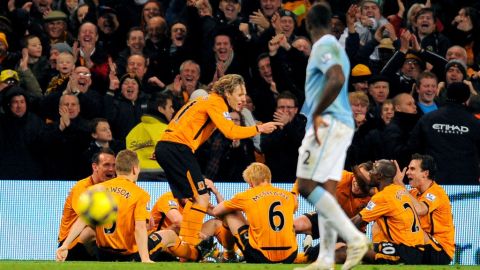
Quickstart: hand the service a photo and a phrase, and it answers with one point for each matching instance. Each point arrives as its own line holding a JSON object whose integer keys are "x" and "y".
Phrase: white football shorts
{"x": 325, "y": 161}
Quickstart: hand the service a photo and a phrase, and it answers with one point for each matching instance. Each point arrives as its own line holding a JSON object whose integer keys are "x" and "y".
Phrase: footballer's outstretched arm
{"x": 77, "y": 228}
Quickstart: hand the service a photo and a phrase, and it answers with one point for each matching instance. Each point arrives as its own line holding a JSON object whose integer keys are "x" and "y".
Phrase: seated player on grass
{"x": 127, "y": 238}
{"x": 267, "y": 234}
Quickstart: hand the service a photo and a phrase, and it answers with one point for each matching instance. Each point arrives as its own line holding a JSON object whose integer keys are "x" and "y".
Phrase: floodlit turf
{"x": 45, "y": 265}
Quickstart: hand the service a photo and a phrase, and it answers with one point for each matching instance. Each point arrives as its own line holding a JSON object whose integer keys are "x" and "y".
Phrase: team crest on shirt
{"x": 326, "y": 57}
{"x": 201, "y": 185}
{"x": 172, "y": 203}
{"x": 370, "y": 205}
{"x": 227, "y": 116}
{"x": 430, "y": 197}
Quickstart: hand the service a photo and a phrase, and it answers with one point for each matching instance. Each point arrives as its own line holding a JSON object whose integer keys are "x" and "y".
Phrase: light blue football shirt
{"x": 327, "y": 52}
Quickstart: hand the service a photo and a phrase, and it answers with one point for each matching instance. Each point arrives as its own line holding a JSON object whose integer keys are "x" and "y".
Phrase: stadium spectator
{"x": 223, "y": 59}
{"x": 427, "y": 35}
{"x": 187, "y": 81}
{"x": 65, "y": 65}
{"x": 288, "y": 67}
{"x": 28, "y": 80}
{"x": 281, "y": 146}
{"x": 151, "y": 8}
{"x": 392, "y": 205}
{"x": 359, "y": 77}
{"x": 123, "y": 105}
{"x": 101, "y": 138}
{"x": 397, "y": 132}
{"x": 156, "y": 39}
{"x": 92, "y": 55}
{"x": 102, "y": 169}
{"x": 135, "y": 45}
{"x": 69, "y": 137}
{"x": 378, "y": 91}
{"x": 55, "y": 25}
{"x": 110, "y": 31}
{"x": 79, "y": 84}
{"x": 432, "y": 205}
{"x": 22, "y": 137}
{"x": 303, "y": 44}
{"x": 426, "y": 90}
{"x": 450, "y": 135}
{"x": 37, "y": 63}
{"x": 137, "y": 65}
{"x": 55, "y": 50}
{"x": 8, "y": 60}
{"x": 467, "y": 35}
{"x": 455, "y": 71}
{"x": 144, "y": 136}
{"x": 258, "y": 229}
{"x": 264, "y": 92}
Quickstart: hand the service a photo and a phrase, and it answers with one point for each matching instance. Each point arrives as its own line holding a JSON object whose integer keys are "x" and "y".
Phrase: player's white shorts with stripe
{"x": 325, "y": 161}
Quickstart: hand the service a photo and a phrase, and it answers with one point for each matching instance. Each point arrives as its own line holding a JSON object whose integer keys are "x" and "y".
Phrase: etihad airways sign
{"x": 450, "y": 129}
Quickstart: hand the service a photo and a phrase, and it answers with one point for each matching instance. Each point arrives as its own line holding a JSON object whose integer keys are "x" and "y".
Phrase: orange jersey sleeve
{"x": 70, "y": 212}
{"x": 165, "y": 203}
{"x": 132, "y": 206}
{"x": 195, "y": 122}
{"x": 397, "y": 222}
{"x": 269, "y": 211}
{"x": 438, "y": 222}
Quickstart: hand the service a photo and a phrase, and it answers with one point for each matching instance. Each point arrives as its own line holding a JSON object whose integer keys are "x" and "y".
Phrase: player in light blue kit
{"x": 330, "y": 129}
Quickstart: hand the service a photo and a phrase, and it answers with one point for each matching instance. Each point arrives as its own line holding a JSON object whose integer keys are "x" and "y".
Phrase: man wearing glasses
{"x": 281, "y": 147}
{"x": 79, "y": 84}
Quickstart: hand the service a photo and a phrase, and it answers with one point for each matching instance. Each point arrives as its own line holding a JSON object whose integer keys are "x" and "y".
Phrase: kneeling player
{"x": 397, "y": 235}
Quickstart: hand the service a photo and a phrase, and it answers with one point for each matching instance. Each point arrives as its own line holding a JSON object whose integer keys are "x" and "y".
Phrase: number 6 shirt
{"x": 269, "y": 211}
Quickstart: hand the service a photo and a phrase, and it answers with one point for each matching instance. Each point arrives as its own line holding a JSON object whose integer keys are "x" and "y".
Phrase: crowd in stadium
{"x": 79, "y": 77}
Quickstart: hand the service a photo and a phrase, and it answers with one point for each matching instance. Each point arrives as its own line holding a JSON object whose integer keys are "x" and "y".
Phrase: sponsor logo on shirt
{"x": 227, "y": 116}
{"x": 172, "y": 203}
{"x": 370, "y": 205}
{"x": 430, "y": 197}
{"x": 450, "y": 129}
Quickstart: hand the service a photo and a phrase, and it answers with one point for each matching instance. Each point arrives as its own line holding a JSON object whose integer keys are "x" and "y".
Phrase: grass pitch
{"x": 49, "y": 265}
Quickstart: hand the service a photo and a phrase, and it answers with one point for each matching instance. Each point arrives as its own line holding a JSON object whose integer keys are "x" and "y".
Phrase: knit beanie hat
{"x": 62, "y": 47}
{"x": 458, "y": 64}
{"x": 360, "y": 73}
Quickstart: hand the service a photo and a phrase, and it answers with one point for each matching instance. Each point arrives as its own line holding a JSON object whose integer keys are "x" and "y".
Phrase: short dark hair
{"x": 424, "y": 11}
{"x": 427, "y": 163}
{"x": 159, "y": 100}
{"x": 288, "y": 95}
{"x": 94, "y": 123}
{"x": 262, "y": 56}
{"x": 319, "y": 17}
{"x": 133, "y": 29}
{"x": 96, "y": 157}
